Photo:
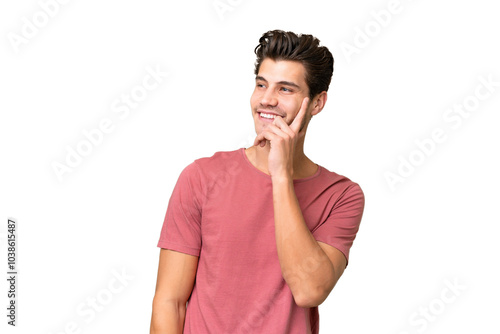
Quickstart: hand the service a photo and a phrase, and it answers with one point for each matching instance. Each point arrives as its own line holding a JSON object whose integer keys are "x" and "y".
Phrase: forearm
{"x": 306, "y": 268}
{"x": 167, "y": 317}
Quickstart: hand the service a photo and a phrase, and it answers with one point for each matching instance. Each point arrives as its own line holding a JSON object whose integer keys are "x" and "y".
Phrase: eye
{"x": 288, "y": 90}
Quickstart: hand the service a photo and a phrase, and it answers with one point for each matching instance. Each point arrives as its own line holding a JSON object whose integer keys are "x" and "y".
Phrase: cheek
{"x": 255, "y": 100}
{"x": 290, "y": 107}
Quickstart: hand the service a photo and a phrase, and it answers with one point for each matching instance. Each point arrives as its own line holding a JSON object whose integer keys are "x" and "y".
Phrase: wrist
{"x": 281, "y": 178}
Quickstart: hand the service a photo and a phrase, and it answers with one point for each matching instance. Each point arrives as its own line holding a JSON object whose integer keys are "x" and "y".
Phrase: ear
{"x": 318, "y": 103}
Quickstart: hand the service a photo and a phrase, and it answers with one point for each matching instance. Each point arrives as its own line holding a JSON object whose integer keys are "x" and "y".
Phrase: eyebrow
{"x": 286, "y": 83}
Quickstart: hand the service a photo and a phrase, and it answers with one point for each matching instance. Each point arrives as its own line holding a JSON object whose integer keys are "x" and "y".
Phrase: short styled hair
{"x": 317, "y": 60}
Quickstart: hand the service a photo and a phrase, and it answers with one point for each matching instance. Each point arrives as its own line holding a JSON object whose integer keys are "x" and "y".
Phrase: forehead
{"x": 283, "y": 70}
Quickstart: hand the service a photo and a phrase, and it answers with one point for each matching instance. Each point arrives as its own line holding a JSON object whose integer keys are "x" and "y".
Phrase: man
{"x": 255, "y": 239}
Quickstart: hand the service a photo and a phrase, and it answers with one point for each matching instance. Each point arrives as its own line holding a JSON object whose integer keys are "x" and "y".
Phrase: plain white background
{"x": 437, "y": 226}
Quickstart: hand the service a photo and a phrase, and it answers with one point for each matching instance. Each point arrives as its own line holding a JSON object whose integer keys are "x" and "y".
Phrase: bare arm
{"x": 310, "y": 268}
{"x": 176, "y": 275}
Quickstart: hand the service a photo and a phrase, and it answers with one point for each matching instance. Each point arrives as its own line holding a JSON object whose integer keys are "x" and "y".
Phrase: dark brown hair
{"x": 317, "y": 60}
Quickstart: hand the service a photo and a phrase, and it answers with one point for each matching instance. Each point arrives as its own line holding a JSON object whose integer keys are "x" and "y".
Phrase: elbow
{"x": 160, "y": 302}
{"x": 162, "y": 306}
{"x": 312, "y": 293}
{"x": 311, "y": 299}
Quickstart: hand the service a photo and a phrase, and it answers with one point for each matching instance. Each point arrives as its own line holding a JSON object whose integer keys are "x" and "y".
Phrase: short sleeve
{"x": 342, "y": 224}
{"x": 181, "y": 230}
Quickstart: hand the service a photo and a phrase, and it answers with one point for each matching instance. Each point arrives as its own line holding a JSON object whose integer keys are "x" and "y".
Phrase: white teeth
{"x": 267, "y": 115}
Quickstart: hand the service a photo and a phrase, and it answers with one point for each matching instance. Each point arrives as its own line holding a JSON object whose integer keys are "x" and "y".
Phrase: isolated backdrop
{"x": 103, "y": 103}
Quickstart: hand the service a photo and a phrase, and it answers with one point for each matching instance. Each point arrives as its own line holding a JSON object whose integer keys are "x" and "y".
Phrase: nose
{"x": 269, "y": 98}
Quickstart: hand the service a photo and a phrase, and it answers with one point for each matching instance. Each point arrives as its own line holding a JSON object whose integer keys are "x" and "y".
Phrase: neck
{"x": 302, "y": 165}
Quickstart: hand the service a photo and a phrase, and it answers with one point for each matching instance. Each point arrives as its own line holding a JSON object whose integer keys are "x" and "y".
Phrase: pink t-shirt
{"x": 221, "y": 209}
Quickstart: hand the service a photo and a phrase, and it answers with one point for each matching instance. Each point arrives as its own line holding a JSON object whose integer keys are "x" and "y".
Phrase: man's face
{"x": 280, "y": 88}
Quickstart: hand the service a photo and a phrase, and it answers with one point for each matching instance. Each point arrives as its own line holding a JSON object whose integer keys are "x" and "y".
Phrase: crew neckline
{"x": 258, "y": 171}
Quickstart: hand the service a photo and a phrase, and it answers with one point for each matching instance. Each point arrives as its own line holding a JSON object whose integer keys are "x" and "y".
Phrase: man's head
{"x": 317, "y": 60}
{"x": 288, "y": 69}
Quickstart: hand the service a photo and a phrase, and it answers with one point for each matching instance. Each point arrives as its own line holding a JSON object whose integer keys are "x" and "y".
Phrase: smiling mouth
{"x": 267, "y": 117}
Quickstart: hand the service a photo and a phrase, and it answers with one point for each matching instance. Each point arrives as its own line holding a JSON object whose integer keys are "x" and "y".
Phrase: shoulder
{"x": 217, "y": 158}
{"x": 338, "y": 181}
{"x": 341, "y": 190}
{"x": 209, "y": 166}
